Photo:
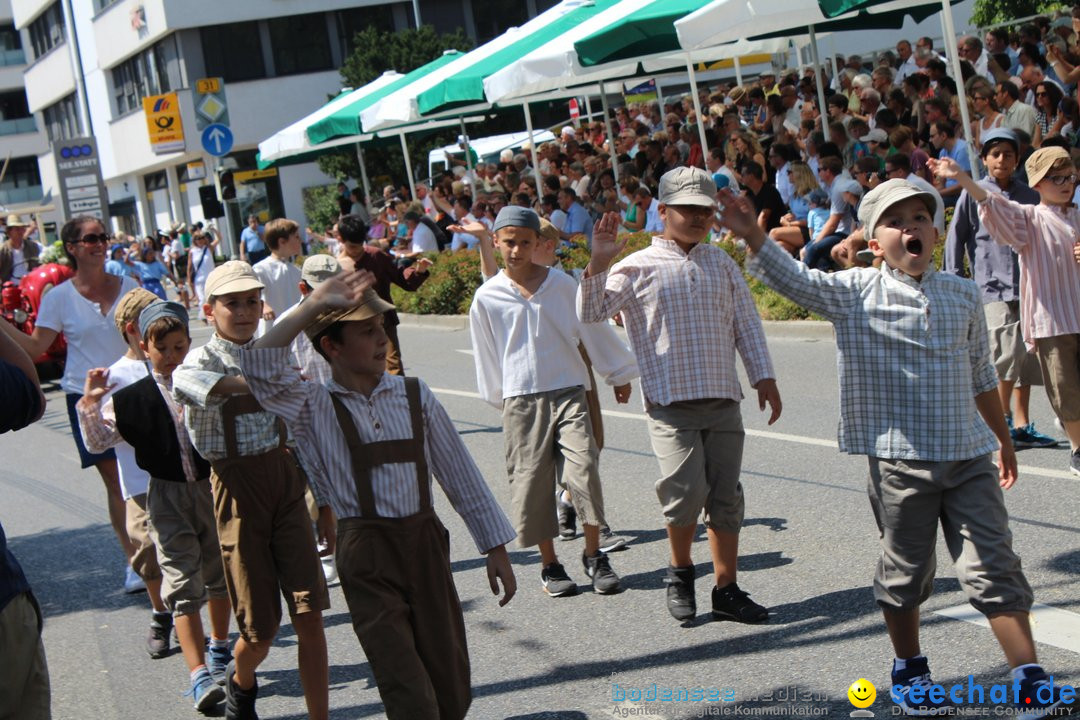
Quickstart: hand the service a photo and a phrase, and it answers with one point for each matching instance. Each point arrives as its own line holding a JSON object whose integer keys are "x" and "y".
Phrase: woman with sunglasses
{"x": 988, "y": 116}
{"x": 83, "y": 309}
{"x": 1048, "y": 118}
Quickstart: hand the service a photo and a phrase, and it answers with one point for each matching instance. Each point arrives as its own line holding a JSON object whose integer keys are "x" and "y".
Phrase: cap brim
{"x": 371, "y": 308}
{"x": 235, "y": 286}
{"x": 690, "y": 199}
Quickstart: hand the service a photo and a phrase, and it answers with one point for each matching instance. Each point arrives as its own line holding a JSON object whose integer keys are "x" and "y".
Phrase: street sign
{"x": 163, "y": 123}
{"x": 78, "y": 174}
{"x": 210, "y": 104}
{"x": 217, "y": 139}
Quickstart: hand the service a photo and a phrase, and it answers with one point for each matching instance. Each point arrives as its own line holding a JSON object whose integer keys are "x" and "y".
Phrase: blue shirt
{"x": 151, "y": 271}
{"x": 799, "y": 206}
{"x": 578, "y": 220}
{"x": 252, "y": 240}
{"x": 959, "y": 153}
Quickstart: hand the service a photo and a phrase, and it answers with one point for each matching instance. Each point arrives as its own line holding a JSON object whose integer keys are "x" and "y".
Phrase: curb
{"x": 790, "y": 330}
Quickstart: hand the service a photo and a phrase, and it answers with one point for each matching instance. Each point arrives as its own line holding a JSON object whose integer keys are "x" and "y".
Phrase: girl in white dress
{"x": 200, "y": 263}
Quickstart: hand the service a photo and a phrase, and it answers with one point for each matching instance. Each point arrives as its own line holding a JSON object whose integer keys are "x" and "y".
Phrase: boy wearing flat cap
{"x": 381, "y": 438}
{"x": 918, "y": 397}
{"x": 525, "y": 335}
{"x": 687, "y": 310}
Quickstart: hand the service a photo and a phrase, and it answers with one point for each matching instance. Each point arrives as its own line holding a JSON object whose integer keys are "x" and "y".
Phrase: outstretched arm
{"x": 342, "y": 291}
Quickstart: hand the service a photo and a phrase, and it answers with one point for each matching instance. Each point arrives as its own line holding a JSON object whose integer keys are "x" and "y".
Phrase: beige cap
{"x": 318, "y": 269}
{"x": 15, "y": 221}
{"x": 548, "y": 231}
{"x": 687, "y": 186}
{"x": 233, "y": 276}
{"x": 887, "y": 194}
{"x": 131, "y": 305}
{"x": 1041, "y": 161}
{"x": 370, "y": 306}
{"x": 737, "y": 93}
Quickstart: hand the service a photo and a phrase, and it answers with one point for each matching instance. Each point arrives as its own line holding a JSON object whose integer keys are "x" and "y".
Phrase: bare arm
{"x": 34, "y": 344}
{"x": 949, "y": 169}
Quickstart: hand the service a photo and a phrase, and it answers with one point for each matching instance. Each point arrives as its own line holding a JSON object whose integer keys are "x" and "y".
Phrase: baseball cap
{"x": 875, "y": 135}
{"x": 998, "y": 135}
{"x": 849, "y": 186}
{"x": 721, "y": 180}
{"x": 887, "y": 194}
{"x": 514, "y": 216}
{"x": 818, "y": 196}
{"x": 1041, "y": 161}
{"x": 157, "y": 310}
{"x": 230, "y": 277}
{"x": 318, "y": 269}
{"x": 687, "y": 186}
{"x": 370, "y": 306}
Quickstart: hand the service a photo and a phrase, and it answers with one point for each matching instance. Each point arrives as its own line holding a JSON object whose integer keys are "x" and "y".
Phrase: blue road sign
{"x": 217, "y": 139}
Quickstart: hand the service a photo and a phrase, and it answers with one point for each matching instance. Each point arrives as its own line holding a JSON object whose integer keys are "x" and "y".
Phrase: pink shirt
{"x": 1043, "y": 236}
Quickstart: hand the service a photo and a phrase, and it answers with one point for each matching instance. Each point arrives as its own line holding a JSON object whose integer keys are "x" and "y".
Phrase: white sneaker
{"x": 330, "y": 571}
{"x": 132, "y": 582}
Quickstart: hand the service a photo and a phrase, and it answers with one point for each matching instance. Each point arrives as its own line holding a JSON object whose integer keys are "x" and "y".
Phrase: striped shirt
{"x": 686, "y": 315}
{"x": 308, "y": 411}
{"x": 1043, "y": 236}
{"x": 312, "y": 366}
{"x": 912, "y": 356}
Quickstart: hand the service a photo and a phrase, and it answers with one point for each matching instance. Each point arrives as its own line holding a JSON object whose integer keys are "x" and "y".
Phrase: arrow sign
{"x": 217, "y": 139}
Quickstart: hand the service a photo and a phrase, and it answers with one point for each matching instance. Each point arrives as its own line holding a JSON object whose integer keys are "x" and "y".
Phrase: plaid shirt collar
{"x": 901, "y": 276}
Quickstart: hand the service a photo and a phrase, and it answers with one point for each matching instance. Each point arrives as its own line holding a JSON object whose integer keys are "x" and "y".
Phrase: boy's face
{"x": 905, "y": 236}
{"x": 166, "y": 353}
{"x": 236, "y": 315}
{"x": 291, "y": 245}
{"x": 1055, "y": 194}
{"x": 686, "y": 223}
{"x": 1001, "y": 161}
{"x": 362, "y": 349}
{"x": 517, "y": 245}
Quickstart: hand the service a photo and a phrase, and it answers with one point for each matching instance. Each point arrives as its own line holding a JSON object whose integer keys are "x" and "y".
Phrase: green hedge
{"x": 455, "y": 277}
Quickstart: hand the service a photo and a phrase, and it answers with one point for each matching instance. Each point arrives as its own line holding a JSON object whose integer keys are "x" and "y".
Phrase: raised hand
{"x": 97, "y": 384}
{"x": 737, "y": 213}
{"x": 606, "y": 243}
{"x": 945, "y": 168}
{"x": 343, "y": 291}
{"x": 474, "y": 228}
{"x": 423, "y": 264}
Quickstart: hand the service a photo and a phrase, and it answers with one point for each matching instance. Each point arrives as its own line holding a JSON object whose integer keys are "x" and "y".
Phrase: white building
{"x": 91, "y": 62}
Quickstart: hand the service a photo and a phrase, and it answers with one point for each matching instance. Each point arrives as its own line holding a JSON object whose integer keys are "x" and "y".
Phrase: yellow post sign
{"x": 163, "y": 123}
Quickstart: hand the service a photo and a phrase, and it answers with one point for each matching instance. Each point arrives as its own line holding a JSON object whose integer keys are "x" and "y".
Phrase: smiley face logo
{"x": 862, "y": 693}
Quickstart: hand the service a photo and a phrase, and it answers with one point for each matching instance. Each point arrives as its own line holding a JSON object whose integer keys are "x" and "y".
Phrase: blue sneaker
{"x": 205, "y": 691}
{"x": 1040, "y": 698}
{"x": 217, "y": 659}
{"x": 914, "y": 680}
{"x": 1028, "y": 437}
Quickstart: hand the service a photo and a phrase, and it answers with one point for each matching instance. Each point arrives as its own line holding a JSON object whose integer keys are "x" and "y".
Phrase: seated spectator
{"x": 768, "y": 204}
{"x": 794, "y": 230}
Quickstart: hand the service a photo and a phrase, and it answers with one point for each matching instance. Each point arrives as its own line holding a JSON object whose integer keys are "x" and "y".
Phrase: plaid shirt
{"x": 685, "y": 314}
{"x": 912, "y": 356}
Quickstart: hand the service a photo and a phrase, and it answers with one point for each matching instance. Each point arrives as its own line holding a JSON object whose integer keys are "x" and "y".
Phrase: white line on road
{"x": 784, "y": 437}
{"x": 1050, "y": 625}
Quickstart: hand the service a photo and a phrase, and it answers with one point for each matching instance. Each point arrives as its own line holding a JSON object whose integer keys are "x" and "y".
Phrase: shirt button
{"x": 378, "y": 426}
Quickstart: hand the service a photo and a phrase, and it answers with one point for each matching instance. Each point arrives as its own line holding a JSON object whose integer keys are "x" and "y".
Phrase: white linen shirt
{"x": 282, "y": 291}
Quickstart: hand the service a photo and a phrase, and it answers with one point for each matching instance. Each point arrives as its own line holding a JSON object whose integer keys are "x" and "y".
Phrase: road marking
{"x": 1050, "y": 625}
{"x": 465, "y": 352}
{"x": 783, "y": 437}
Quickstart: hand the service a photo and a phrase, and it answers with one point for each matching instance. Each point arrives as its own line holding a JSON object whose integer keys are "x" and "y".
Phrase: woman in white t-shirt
{"x": 83, "y": 309}
{"x": 200, "y": 263}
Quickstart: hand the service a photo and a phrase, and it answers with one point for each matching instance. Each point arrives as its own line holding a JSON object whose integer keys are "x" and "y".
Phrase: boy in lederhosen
{"x": 381, "y": 437}
{"x": 262, "y": 519}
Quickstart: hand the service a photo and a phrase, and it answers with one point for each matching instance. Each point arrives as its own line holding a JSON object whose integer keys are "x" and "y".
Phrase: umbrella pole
{"x": 950, "y": 41}
{"x": 738, "y": 72}
{"x": 408, "y": 165}
{"x": 363, "y": 173}
{"x": 817, "y": 77}
{"x": 468, "y": 155}
{"x": 611, "y": 137}
{"x": 835, "y": 69}
{"x": 588, "y": 108}
{"x": 798, "y": 58}
{"x": 697, "y": 106}
{"x": 532, "y": 141}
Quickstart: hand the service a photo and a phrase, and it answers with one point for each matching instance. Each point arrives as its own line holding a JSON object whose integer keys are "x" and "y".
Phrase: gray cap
{"x": 887, "y": 194}
{"x": 318, "y": 269}
{"x": 1002, "y": 134}
{"x": 687, "y": 186}
{"x": 514, "y": 216}
{"x": 158, "y": 310}
{"x": 849, "y": 186}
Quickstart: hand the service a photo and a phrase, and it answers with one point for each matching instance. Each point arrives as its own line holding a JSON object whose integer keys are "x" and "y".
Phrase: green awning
{"x": 647, "y": 31}
{"x": 889, "y": 20}
{"x": 346, "y": 121}
{"x": 466, "y": 87}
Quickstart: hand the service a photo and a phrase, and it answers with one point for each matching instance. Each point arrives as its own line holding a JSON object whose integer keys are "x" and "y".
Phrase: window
{"x": 47, "y": 31}
{"x": 22, "y": 182}
{"x": 11, "y": 50}
{"x": 154, "y": 71}
{"x": 233, "y": 51}
{"x": 494, "y": 17}
{"x": 15, "y": 116}
{"x": 445, "y": 17}
{"x": 62, "y": 120}
{"x": 100, "y": 5}
{"x": 350, "y": 22}
{"x": 156, "y": 181}
{"x": 300, "y": 44}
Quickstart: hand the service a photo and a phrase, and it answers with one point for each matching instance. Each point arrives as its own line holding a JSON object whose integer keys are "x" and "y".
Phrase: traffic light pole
{"x": 231, "y": 235}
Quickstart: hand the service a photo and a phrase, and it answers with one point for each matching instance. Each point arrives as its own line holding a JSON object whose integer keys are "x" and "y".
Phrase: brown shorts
{"x": 1011, "y": 358}
{"x": 267, "y": 542}
{"x": 144, "y": 562}
{"x": 1060, "y": 359}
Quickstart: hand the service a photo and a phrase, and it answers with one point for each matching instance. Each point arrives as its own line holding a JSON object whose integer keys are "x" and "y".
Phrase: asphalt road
{"x": 808, "y": 551}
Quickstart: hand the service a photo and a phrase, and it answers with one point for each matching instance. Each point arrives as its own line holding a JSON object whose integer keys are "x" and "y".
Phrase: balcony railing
{"x": 25, "y": 194}
{"x": 12, "y": 57}
{"x": 18, "y": 125}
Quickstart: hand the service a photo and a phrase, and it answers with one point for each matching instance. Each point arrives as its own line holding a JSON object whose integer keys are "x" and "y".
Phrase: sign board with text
{"x": 210, "y": 104}
{"x": 163, "y": 123}
{"x": 78, "y": 173}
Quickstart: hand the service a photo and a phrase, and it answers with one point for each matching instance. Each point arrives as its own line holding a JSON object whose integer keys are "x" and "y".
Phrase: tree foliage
{"x": 992, "y": 12}
{"x": 374, "y": 53}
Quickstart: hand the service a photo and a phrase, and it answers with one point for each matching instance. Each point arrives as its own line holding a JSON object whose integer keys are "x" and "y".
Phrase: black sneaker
{"x": 1074, "y": 462}
{"x": 733, "y": 603}
{"x": 157, "y": 640}
{"x": 609, "y": 541}
{"x": 1040, "y": 698}
{"x": 917, "y": 675}
{"x": 567, "y": 518}
{"x": 680, "y": 592}
{"x": 239, "y": 703}
{"x": 556, "y": 582}
{"x": 604, "y": 579}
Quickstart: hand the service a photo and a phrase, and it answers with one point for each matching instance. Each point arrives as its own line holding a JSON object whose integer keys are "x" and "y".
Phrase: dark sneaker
{"x": 567, "y": 518}
{"x": 733, "y": 603}
{"x": 609, "y": 541}
{"x": 917, "y": 675}
{"x": 1028, "y": 437}
{"x": 157, "y": 640}
{"x": 206, "y": 693}
{"x": 556, "y": 582}
{"x": 217, "y": 660}
{"x": 1074, "y": 462}
{"x": 598, "y": 568}
{"x": 239, "y": 703}
{"x": 1040, "y": 698}
{"x": 680, "y": 592}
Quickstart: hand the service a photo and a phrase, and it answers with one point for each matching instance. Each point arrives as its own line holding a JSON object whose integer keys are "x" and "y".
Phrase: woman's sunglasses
{"x": 92, "y": 239}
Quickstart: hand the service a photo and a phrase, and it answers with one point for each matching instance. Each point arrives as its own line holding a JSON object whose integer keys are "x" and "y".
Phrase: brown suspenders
{"x": 243, "y": 405}
{"x": 365, "y": 456}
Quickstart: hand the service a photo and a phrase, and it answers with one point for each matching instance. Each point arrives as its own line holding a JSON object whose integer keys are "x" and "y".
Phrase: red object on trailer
{"x": 20, "y": 304}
